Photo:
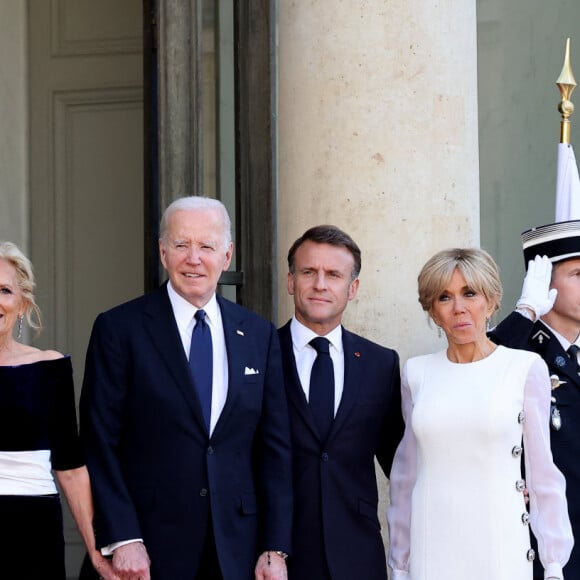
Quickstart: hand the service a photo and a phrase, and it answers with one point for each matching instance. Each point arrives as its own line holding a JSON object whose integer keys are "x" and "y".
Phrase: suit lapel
{"x": 353, "y": 378}
{"x": 234, "y": 325}
{"x": 163, "y": 332}
{"x": 294, "y": 389}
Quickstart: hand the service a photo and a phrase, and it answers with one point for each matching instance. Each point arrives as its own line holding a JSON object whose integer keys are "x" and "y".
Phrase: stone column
{"x": 180, "y": 143}
{"x": 378, "y": 135}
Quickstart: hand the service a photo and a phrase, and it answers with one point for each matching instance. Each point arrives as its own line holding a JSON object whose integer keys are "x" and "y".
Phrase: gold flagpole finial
{"x": 566, "y": 83}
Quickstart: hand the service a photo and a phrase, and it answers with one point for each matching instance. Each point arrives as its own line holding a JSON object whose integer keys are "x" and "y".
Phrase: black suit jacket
{"x": 336, "y": 526}
{"x": 516, "y": 331}
{"x": 156, "y": 474}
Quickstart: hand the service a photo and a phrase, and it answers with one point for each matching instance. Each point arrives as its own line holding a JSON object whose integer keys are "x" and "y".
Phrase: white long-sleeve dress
{"x": 457, "y": 509}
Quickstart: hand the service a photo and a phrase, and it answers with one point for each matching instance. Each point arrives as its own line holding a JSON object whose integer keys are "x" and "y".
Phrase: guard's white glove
{"x": 536, "y": 293}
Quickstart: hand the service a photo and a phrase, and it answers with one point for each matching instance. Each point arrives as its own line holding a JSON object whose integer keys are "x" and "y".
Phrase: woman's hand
{"x": 103, "y": 567}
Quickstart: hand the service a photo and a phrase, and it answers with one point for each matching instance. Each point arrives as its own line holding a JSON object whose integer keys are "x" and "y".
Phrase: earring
{"x": 20, "y": 320}
{"x": 437, "y": 327}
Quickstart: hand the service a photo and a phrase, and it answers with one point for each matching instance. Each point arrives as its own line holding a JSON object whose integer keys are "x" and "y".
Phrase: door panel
{"x": 86, "y": 171}
{"x": 98, "y": 187}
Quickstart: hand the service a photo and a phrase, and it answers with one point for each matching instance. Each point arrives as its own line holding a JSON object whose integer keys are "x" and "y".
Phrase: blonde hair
{"x": 10, "y": 253}
{"x": 477, "y": 267}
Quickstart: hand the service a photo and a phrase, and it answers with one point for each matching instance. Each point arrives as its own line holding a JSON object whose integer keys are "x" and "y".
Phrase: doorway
{"x": 94, "y": 150}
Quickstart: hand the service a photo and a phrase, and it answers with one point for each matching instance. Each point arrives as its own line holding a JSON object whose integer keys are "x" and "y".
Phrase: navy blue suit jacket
{"x": 335, "y": 488}
{"x": 156, "y": 473}
{"x": 516, "y": 331}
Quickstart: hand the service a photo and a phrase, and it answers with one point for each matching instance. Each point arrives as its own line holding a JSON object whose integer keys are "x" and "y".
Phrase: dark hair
{"x": 327, "y": 235}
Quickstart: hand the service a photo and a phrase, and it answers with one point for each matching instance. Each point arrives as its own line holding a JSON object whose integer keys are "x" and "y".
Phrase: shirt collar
{"x": 302, "y": 335}
{"x": 562, "y": 340}
{"x": 184, "y": 310}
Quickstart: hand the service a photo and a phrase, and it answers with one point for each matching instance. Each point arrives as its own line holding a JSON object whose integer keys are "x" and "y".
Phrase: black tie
{"x": 201, "y": 363}
{"x": 573, "y": 352}
{"x": 321, "y": 397}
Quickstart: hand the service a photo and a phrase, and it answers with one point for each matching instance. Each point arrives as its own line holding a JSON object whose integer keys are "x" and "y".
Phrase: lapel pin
{"x": 357, "y": 354}
{"x": 556, "y": 382}
{"x": 239, "y": 332}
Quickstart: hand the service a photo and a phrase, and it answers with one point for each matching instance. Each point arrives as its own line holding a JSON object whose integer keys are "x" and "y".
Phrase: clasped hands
{"x": 270, "y": 566}
{"x": 132, "y": 562}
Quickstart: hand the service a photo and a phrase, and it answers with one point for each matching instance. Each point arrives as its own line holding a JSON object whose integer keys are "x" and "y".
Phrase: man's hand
{"x": 271, "y": 566}
{"x": 536, "y": 293}
{"x": 131, "y": 562}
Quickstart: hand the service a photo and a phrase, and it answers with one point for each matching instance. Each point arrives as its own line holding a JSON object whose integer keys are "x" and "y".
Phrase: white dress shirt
{"x": 566, "y": 344}
{"x": 305, "y": 355}
{"x": 184, "y": 313}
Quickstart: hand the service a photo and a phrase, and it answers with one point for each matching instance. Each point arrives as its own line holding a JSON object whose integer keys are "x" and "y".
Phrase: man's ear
{"x": 353, "y": 288}
{"x": 290, "y": 283}
{"x": 162, "y": 254}
{"x": 229, "y": 254}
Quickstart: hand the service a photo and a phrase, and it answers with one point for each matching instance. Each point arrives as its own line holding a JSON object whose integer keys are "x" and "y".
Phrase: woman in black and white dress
{"x": 38, "y": 437}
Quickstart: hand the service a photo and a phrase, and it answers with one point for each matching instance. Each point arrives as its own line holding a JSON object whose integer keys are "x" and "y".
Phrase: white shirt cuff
{"x": 108, "y": 550}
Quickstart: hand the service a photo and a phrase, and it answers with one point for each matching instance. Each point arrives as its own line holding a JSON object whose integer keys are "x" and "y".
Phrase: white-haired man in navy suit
{"x": 185, "y": 422}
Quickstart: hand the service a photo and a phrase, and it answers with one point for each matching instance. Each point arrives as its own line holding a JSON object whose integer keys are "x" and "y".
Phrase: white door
{"x": 86, "y": 171}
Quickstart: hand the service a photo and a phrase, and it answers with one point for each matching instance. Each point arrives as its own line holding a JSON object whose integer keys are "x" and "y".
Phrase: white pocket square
{"x": 249, "y": 371}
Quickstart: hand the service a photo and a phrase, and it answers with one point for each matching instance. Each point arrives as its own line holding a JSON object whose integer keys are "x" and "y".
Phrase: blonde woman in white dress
{"x": 457, "y": 503}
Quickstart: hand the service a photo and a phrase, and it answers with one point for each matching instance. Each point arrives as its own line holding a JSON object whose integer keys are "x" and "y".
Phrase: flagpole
{"x": 568, "y": 178}
{"x": 566, "y": 83}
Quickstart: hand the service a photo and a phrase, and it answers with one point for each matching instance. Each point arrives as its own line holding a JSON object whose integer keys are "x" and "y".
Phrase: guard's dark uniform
{"x": 516, "y": 331}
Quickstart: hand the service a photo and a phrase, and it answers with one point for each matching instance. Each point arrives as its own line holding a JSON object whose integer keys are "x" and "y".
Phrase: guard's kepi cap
{"x": 559, "y": 241}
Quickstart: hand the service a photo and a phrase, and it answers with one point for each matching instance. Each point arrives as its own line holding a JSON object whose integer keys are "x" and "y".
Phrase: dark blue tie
{"x": 321, "y": 396}
{"x": 573, "y": 352}
{"x": 201, "y": 363}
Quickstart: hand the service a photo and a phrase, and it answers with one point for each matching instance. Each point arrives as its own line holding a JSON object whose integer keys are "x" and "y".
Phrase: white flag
{"x": 568, "y": 185}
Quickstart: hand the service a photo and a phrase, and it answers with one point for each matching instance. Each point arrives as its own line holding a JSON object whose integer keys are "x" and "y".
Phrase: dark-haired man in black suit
{"x": 340, "y": 421}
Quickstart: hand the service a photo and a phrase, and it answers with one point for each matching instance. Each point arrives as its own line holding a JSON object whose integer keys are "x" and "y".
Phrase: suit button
{"x": 531, "y": 555}
{"x": 325, "y": 456}
{"x": 203, "y": 492}
{"x": 525, "y": 518}
{"x": 210, "y": 450}
{"x": 520, "y": 485}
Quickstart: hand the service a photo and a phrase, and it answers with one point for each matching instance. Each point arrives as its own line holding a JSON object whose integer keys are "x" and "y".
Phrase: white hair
{"x": 197, "y": 203}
